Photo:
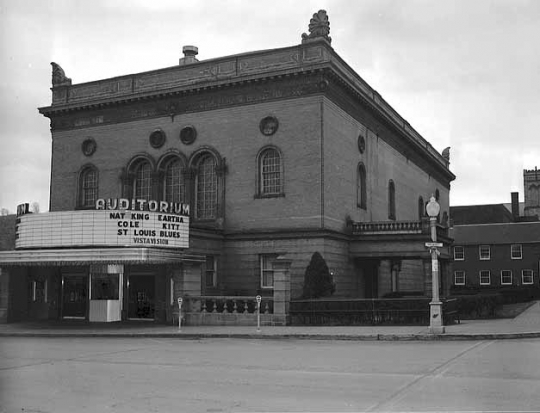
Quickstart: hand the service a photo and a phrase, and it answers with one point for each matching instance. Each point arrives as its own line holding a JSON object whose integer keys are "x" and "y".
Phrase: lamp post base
{"x": 435, "y": 318}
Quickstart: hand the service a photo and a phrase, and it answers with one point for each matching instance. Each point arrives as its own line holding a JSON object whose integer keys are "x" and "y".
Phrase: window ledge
{"x": 261, "y": 196}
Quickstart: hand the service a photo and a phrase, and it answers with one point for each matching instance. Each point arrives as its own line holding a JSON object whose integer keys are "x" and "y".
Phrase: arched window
{"x": 206, "y": 186}
{"x": 174, "y": 187}
{"x": 445, "y": 219}
{"x": 361, "y": 188}
{"x": 421, "y": 208}
{"x": 391, "y": 200}
{"x": 142, "y": 183}
{"x": 270, "y": 173}
{"x": 88, "y": 187}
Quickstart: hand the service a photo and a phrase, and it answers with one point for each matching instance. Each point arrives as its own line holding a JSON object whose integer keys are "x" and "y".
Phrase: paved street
{"x": 213, "y": 375}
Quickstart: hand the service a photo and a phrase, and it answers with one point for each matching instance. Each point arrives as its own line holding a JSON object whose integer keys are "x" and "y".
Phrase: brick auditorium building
{"x": 192, "y": 179}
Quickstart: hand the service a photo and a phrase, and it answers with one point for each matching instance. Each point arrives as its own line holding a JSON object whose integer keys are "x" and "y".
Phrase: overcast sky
{"x": 463, "y": 73}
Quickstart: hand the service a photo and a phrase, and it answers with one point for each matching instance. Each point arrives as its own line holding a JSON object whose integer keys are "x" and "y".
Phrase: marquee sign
{"x": 104, "y": 227}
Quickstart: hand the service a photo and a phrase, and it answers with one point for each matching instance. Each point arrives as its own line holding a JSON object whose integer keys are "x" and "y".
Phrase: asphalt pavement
{"x": 525, "y": 325}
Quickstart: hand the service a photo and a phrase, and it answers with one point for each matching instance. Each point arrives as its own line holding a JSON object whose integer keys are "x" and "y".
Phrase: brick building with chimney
{"x": 498, "y": 246}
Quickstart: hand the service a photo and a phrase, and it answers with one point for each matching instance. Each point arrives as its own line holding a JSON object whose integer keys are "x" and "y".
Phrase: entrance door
{"x": 141, "y": 297}
{"x": 74, "y": 300}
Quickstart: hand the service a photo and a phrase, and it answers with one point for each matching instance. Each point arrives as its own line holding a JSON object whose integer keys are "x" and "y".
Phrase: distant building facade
{"x": 531, "y": 186}
{"x": 497, "y": 247}
{"x": 496, "y": 255}
{"x": 280, "y": 152}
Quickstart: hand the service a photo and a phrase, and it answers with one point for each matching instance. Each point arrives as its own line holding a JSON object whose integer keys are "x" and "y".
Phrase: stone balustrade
{"x": 397, "y": 227}
{"x": 229, "y": 311}
{"x": 228, "y": 304}
{"x": 389, "y": 227}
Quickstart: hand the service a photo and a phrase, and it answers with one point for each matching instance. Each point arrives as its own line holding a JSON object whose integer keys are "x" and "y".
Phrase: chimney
{"x": 189, "y": 55}
{"x": 515, "y": 204}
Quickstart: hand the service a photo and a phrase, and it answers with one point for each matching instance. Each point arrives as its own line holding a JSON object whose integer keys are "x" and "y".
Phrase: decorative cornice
{"x": 214, "y": 73}
{"x": 241, "y": 93}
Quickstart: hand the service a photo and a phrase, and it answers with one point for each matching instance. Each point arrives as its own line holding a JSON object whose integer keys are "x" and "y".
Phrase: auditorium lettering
{"x": 124, "y": 204}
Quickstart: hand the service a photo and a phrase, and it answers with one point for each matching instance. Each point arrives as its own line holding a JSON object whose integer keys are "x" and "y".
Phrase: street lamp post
{"x": 435, "y": 313}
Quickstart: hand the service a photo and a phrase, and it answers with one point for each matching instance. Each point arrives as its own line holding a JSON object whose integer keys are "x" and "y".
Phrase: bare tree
{"x": 35, "y": 207}
{"x": 4, "y": 212}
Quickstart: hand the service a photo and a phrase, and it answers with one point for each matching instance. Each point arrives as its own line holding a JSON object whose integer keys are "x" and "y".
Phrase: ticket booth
{"x": 105, "y": 292}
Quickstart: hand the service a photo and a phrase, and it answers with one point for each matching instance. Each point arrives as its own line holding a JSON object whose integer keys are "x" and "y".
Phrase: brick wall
{"x": 235, "y": 134}
{"x": 408, "y": 276}
{"x": 242, "y": 266}
{"x": 500, "y": 260}
{"x": 382, "y": 163}
{"x": 7, "y": 232}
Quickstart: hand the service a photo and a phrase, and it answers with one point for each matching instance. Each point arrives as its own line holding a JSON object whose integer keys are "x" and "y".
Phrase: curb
{"x": 263, "y": 336}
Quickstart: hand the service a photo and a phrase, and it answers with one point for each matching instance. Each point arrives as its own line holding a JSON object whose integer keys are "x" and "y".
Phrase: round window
{"x": 157, "y": 139}
{"x": 188, "y": 135}
{"x": 269, "y": 125}
{"x": 89, "y": 146}
{"x": 361, "y": 144}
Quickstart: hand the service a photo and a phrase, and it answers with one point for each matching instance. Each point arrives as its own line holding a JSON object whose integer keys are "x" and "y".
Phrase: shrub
{"x": 478, "y": 306}
{"x": 318, "y": 281}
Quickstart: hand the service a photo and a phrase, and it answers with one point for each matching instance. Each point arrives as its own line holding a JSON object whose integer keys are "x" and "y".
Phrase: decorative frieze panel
{"x": 183, "y": 76}
{"x": 288, "y": 59}
{"x": 274, "y": 61}
{"x": 102, "y": 89}
{"x": 245, "y": 94}
{"x": 315, "y": 54}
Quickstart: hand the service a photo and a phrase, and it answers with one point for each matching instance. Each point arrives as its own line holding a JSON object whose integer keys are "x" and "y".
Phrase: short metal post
{"x": 258, "y": 298}
{"x": 179, "y": 313}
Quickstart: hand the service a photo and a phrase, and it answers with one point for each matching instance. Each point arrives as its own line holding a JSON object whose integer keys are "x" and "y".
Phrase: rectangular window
{"x": 506, "y": 277}
{"x": 515, "y": 251}
{"x": 211, "y": 273}
{"x": 459, "y": 253}
{"x": 485, "y": 277}
{"x": 527, "y": 277}
{"x": 485, "y": 252}
{"x": 267, "y": 271}
{"x": 459, "y": 277}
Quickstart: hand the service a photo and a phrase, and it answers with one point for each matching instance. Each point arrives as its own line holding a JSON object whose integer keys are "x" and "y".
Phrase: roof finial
{"x": 319, "y": 27}
{"x": 59, "y": 78}
{"x": 446, "y": 154}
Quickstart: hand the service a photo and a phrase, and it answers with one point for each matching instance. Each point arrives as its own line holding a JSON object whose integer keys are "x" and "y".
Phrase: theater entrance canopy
{"x": 90, "y": 256}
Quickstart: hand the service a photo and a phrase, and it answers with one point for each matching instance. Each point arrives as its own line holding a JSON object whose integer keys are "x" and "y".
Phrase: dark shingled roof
{"x": 480, "y": 214}
{"x": 503, "y": 233}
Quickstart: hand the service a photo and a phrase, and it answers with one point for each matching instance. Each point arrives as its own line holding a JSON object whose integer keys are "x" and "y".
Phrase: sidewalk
{"x": 526, "y": 325}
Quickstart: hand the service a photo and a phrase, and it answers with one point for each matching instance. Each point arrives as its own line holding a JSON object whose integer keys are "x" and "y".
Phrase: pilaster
{"x": 282, "y": 290}
{"x": 385, "y": 278}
